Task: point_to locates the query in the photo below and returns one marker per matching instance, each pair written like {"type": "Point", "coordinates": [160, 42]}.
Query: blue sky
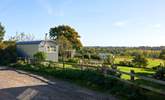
{"type": "Point", "coordinates": [99, 22]}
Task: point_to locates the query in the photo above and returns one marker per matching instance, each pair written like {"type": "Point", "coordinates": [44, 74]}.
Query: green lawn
{"type": "Point", "coordinates": [151, 62]}
{"type": "Point", "coordinates": [154, 62]}
{"type": "Point", "coordinates": [122, 58]}
{"type": "Point", "coordinates": [140, 71]}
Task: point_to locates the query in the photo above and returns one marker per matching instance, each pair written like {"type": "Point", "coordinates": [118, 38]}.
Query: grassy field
{"type": "Point", "coordinates": [139, 71]}
{"type": "Point", "coordinates": [148, 71]}
{"type": "Point", "coordinates": [151, 62]}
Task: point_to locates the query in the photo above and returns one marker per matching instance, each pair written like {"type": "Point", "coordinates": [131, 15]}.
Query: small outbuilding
{"type": "Point", "coordinates": [26, 49]}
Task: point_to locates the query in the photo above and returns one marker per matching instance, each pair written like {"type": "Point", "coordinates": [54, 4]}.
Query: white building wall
{"type": "Point", "coordinates": [52, 55]}
{"type": "Point", "coordinates": [29, 49]}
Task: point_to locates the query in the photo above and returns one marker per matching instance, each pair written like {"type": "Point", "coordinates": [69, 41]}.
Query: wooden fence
{"type": "Point", "coordinates": [132, 74]}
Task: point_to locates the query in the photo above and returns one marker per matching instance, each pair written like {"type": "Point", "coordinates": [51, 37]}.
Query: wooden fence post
{"type": "Point", "coordinates": [132, 72]}
{"type": "Point", "coordinates": [81, 66]}
{"type": "Point", "coordinates": [104, 70]}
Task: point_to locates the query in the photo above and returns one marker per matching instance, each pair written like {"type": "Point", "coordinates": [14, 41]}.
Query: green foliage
{"type": "Point", "coordinates": [95, 56]}
{"type": "Point", "coordinates": [160, 73]}
{"type": "Point", "coordinates": [125, 63]}
{"type": "Point", "coordinates": [7, 53]}
{"type": "Point", "coordinates": [64, 45]}
{"type": "Point", "coordinates": [109, 59]}
{"type": "Point", "coordinates": [40, 56]}
{"type": "Point", "coordinates": [139, 60]}
{"type": "Point", "coordinates": [162, 54]}
{"type": "Point", "coordinates": [150, 52]}
{"type": "Point", "coordinates": [73, 60]}
{"type": "Point", "coordinates": [69, 33]}
{"type": "Point", "coordinates": [21, 62]}
{"type": "Point", "coordinates": [92, 79]}
{"type": "Point", "coordinates": [2, 32]}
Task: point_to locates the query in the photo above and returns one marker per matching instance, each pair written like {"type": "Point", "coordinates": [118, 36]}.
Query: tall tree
{"type": "Point", "coordinates": [64, 45]}
{"type": "Point", "coordinates": [69, 33]}
{"type": "Point", "coordinates": [2, 32]}
{"type": "Point", "coordinates": [140, 61]}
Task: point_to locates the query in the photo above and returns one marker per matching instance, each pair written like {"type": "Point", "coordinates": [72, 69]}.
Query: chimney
{"type": "Point", "coordinates": [46, 35]}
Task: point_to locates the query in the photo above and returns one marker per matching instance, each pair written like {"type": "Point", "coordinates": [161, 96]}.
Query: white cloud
{"type": "Point", "coordinates": [120, 23]}
{"type": "Point", "coordinates": [46, 5]}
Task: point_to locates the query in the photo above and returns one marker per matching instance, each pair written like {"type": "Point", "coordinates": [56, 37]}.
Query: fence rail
{"type": "Point", "coordinates": [132, 75]}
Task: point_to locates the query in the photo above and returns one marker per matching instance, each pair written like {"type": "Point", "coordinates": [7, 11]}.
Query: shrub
{"type": "Point", "coordinates": [40, 56]}
{"type": "Point", "coordinates": [73, 60]}
{"type": "Point", "coordinates": [125, 63]}
{"type": "Point", "coordinates": [140, 61]}
{"type": "Point", "coordinates": [160, 73]}
{"type": "Point", "coordinates": [8, 53]}
{"type": "Point", "coordinates": [21, 62]}
{"type": "Point", "coordinates": [92, 79]}
{"type": "Point", "coordinates": [162, 54]}
{"type": "Point", "coordinates": [157, 67]}
{"type": "Point", "coordinates": [95, 56]}
{"type": "Point", "coordinates": [86, 56]}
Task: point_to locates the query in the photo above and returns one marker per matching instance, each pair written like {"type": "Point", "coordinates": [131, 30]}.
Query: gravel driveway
{"type": "Point", "coordinates": [20, 85]}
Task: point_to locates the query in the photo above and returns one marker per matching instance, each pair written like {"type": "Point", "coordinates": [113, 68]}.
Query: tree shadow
{"type": "Point", "coordinates": [144, 74]}
{"type": "Point", "coordinates": [149, 69]}
{"type": "Point", "coordinates": [151, 95]}
{"type": "Point", "coordinates": [52, 90]}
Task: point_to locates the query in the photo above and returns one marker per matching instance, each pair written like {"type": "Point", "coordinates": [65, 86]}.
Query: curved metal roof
{"type": "Point", "coordinates": [31, 42]}
{"type": "Point", "coordinates": [28, 42]}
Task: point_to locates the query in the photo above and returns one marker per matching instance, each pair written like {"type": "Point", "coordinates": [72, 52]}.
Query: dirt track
{"type": "Point", "coordinates": [19, 85]}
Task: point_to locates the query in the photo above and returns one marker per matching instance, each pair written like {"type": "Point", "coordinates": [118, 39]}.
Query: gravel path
{"type": "Point", "coordinates": [20, 85]}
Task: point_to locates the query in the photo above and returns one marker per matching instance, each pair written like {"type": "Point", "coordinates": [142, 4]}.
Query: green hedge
{"type": "Point", "coordinates": [94, 80]}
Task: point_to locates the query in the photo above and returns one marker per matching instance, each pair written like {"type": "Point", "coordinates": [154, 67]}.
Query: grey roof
{"type": "Point", "coordinates": [30, 42]}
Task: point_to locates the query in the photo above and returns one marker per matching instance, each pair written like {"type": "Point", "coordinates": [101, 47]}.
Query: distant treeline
{"type": "Point", "coordinates": [125, 47]}
{"type": "Point", "coordinates": [151, 52]}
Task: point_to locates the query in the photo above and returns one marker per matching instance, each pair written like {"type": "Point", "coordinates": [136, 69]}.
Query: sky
{"type": "Point", "coordinates": [99, 22]}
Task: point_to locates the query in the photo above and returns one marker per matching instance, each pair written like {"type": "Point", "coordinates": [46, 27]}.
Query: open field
{"type": "Point", "coordinates": [139, 71]}
{"type": "Point", "coordinates": [151, 62]}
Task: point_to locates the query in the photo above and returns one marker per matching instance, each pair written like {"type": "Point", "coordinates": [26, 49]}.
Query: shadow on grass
{"type": "Point", "coordinates": [151, 95]}
{"type": "Point", "coordinates": [149, 69]}
{"type": "Point", "coordinates": [144, 74]}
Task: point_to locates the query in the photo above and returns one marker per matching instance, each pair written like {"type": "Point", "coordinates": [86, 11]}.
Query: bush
{"type": "Point", "coordinates": [140, 61]}
{"type": "Point", "coordinates": [91, 79]}
{"type": "Point", "coordinates": [7, 53]}
{"type": "Point", "coordinates": [86, 56]}
{"type": "Point", "coordinates": [73, 60]}
{"type": "Point", "coordinates": [162, 54]}
{"type": "Point", "coordinates": [125, 63]}
{"type": "Point", "coordinates": [40, 56]}
{"type": "Point", "coordinates": [160, 73]}
{"type": "Point", "coordinates": [95, 56]}
{"type": "Point", "coordinates": [21, 62]}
